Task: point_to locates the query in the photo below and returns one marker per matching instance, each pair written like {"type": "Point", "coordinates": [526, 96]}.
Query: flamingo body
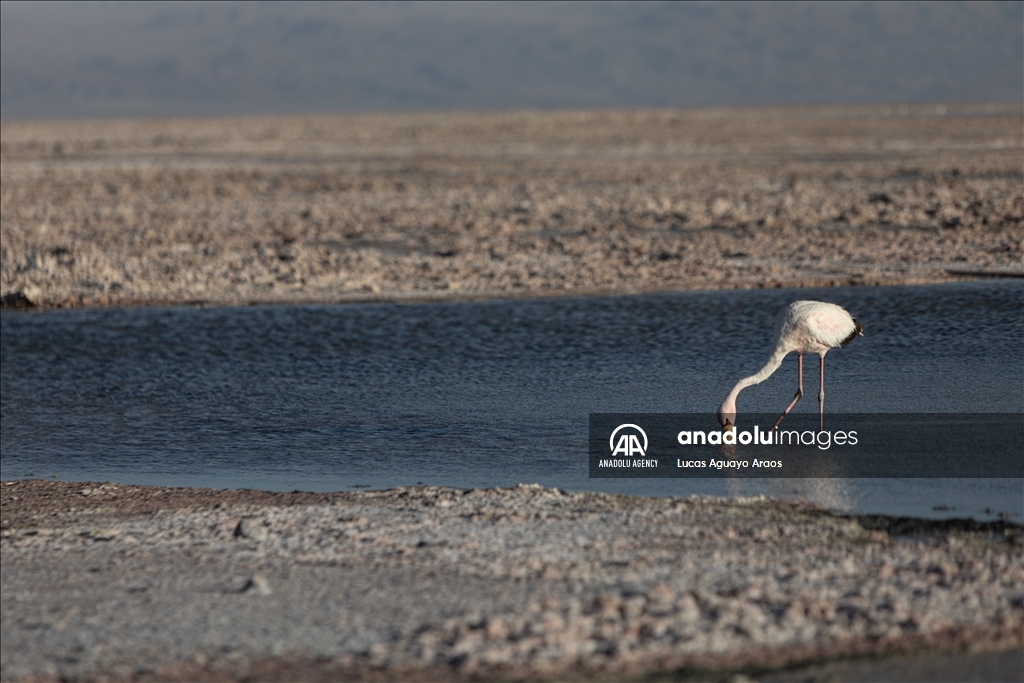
{"type": "Point", "coordinates": [803, 327]}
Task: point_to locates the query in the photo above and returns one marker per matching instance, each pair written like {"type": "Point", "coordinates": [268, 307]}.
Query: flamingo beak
{"type": "Point", "coordinates": [727, 427]}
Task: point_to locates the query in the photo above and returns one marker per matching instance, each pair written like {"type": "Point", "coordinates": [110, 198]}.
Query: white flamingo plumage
{"type": "Point", "coordinates": [804, 327]}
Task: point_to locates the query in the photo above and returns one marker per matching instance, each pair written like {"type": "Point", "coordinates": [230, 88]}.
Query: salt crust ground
{"type": "Point", "coordinates": [448, 206]}
{"type": "Point", "coordinates": [112, 582]}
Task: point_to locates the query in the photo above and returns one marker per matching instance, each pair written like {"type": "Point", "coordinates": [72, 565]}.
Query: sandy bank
{"type": "Point", "coordinates": [441, 206]}
{"type": "Point", "coordinates": [108, 582]}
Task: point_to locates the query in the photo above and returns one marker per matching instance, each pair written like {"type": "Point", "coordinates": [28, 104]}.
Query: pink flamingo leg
{"type": "Point", "coordinates": [799, 390]}
{"type": "Point", "coordinates": [821, 393]}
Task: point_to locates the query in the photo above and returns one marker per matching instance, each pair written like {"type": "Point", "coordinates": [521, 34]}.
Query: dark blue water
{"type": "Point", "coordinates": [480, 393]}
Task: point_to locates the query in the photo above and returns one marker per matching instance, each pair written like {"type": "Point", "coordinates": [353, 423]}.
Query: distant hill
{"type": "Point", "coordinates": [165, 58]}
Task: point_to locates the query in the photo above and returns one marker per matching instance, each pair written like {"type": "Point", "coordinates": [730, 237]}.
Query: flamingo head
{"type": "Point", "coordinates": [727, 415]}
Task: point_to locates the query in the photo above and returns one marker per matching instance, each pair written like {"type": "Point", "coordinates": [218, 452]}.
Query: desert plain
{"type": "Point", "coordinates": [105, 582]}
{"type": "Point", "coordinates": [399, 207]}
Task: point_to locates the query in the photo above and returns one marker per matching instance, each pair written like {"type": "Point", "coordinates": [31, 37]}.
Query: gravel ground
{"type": "Point", "coordinates": [112, 582]}
{"type": "Point", "coordinates": [399, 207]}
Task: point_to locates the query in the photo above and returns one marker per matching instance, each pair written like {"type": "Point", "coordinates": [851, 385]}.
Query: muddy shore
{"type": "Point", "coordinates": [112, 582]}
{"type": "Point", "coordinates": [448, 206]}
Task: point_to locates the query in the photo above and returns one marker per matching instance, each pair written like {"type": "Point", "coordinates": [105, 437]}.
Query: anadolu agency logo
{"type": "Point", "coordinates": [628, 445]}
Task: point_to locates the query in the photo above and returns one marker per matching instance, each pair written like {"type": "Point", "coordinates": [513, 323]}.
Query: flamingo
{"type": "Point", "coordinates": [804, 327]}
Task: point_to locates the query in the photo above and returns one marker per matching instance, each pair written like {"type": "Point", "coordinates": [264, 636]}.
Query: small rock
{"type": "Point", "coordinates": [16, 299]}
{"type": "Point", "coordinates": [497, 629]}
{"type": "Point", "coordinates": [258, 585]}
{"type": "Point", "coordinates": [741, 678]}
{"type": "Point", "coordinates": [250, 528]}
{"type": "Point", "coordinates": [378, 653]}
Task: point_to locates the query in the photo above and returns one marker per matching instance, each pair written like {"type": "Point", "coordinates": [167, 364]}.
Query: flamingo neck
{"type": "Point", "coordinates": [728, 407]}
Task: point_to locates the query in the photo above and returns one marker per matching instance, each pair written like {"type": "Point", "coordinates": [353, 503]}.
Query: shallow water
{"type": "Point", "coordinates": [482, 393]}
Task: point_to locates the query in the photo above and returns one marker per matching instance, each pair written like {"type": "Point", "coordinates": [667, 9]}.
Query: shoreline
{"type": "Point", "coordinates": [116, 582]}
{"type": "Point", "coordinates": [413, 298]}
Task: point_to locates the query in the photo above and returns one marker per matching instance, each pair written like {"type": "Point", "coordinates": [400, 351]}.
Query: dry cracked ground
{"type": "Point", "coordinates": [394, 207]}
{"type": "Point", "coordinates": [111, 582]}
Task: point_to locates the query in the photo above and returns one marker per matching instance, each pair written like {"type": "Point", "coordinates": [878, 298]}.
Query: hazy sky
{"type": "Point", "coordinates": [165, 58]}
